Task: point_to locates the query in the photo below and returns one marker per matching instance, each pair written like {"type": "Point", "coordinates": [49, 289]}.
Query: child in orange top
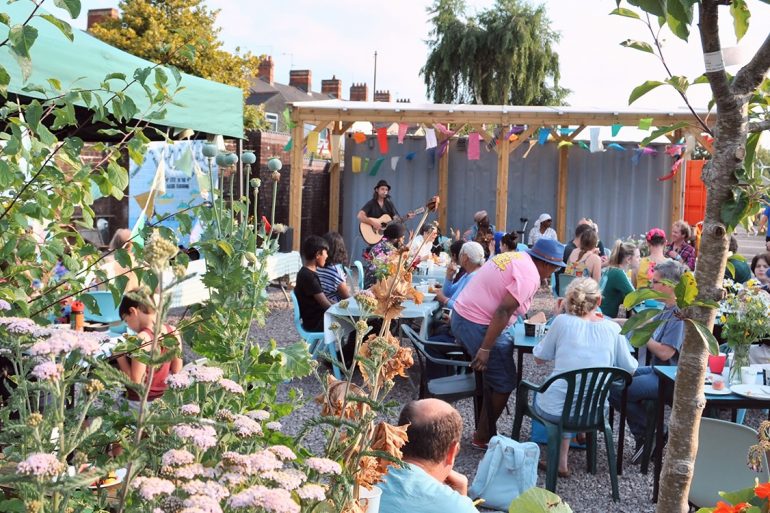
{"type": "Point", "coordinates": [141, 319]}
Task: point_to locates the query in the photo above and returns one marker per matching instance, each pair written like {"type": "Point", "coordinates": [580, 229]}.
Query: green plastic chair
{"type": "Point", "coordinates": [584, 411]}
{"type": "Point", "coordinates": [720, 464]}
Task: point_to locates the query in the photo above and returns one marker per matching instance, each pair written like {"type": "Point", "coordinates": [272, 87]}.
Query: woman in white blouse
{"type": "Point", "coordinates": [542, 230]}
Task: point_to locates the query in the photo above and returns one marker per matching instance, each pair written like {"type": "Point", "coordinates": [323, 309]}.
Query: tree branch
{"type": "Point", "coordinates": [759, 126]}
{"type": "Point", "coordinates": [752, 74]}
{"type": "Point", "coordinates": [710, 43]}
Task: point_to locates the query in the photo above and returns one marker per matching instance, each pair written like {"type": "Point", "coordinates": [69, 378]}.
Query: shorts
{"type": "Point", "coordinates": [500, 375]}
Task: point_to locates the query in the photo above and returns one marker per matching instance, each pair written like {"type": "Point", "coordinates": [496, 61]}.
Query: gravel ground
{"type": "Point", "coordinates": [582, 491]}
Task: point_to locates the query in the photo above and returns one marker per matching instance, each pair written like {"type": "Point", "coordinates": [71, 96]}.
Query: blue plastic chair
{"type": "Point", "coordinates": [360, 270]}
{"type": "Point", "coordinates": [108, 311]}
{"type": "Point", "coordinates": [521, 247]}
{"type": "Point", "coordinates": [315, 339]}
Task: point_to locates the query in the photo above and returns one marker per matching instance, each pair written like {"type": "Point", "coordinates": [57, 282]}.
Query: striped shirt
{"type": "Point", "coordinates": [331, 276]}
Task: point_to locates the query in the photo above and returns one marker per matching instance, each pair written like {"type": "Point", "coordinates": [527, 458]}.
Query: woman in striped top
{"type": "Point", "coordinates": [332, 275]}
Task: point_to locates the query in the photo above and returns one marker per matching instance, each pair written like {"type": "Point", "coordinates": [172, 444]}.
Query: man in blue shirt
{"type": "Point", "coordinates": [427, 482]}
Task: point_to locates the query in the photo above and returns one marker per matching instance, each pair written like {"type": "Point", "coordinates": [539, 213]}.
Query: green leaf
{"type": "Point", "coordinates": [703, 79]}
{"type": "Point", "coordinates": [538, 500]}
{"type": "Point", "coordinates": [735, 209]}
{"type": "Point", "coordinates": [5, 19]}
{"type": "Point", "coordinates": [22, 37]}
{"type": "Point", "coordinates": [638, 45]}
{"type": "Point", "coordinates": [686, 290]}
{"type": "Point", "coordinates": [634, 298]}
{"type": "Point", "coordinates": [628, 13]}
{"type": "Point", "coordinates": [643, 89]}
{"type": "Point", "coordinates": [33, 113]}
{"type": "Point", "coordinates": [641, 336]}
{"type": "Point", "coordinates": [297, 361]}
{"type": "Point", "coordinates": [5, 79]}
{"type": "Point", "coordinates": [730, 269]}
{"type": "Point", "coordinates": [55, 83]}
{"type": "Point", "coordinates": [707, 336]}
{"type": "Point", "coordinates": [71, 6]}
{"type": "Point", "coordinates": [679, 17]}
{"type": "Point", "coordinates": [738, 496]}
{"type": "Point", "coordinates": [639, 319]}
{"type": "Point", "coordinates": [741, 14]}
{"type": "Point", "coordinates": [658, 132]}
{"type": "Point", "coordinates": [679, 83]}
{"type": "Point", "coordinates": [654, 7]}
{"type": "Point", "coordinates": [226, 247]}
{"type": "Point", "coordinates": [123, 258]}
{"type": "Point", "coordinates": [116, 76]}
{"type": "Point", "coordinates": [63, 26]}
{"type": "Point", "coordinates": [13, 506]}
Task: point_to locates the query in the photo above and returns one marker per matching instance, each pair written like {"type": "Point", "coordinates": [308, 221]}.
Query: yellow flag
{"type": "Point", "coordinates": [312, 142]}
{"type": "Point", "coordinates": [356, 164]}
{"type": "Point", "coordinates": [146, 202]}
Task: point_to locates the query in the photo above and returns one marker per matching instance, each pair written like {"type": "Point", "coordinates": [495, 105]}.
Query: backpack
{"type": "Point", "coordinates": [508, 469]}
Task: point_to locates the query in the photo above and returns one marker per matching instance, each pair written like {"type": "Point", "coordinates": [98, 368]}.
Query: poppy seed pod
{"type": "Point", "coordinates": [248, 157]}
{"type": "Point", "coordinates": [274, 164]}
{"type": "Point", "coordinates": [210, 150]}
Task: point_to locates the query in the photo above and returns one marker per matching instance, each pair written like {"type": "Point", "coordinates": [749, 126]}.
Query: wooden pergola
{"type": "Point", "coordinates": [339, 115]}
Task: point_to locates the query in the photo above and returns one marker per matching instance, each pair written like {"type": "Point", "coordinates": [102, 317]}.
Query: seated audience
{"type": "Point", "coordinates": [579, 339]}
{"type": "Point", "coordinates": [140, 318]}
{"type": "Point", "coordinates": [392, 239]}
{"type": "Point", "coordinates": [332, 275]}
{"type": "Point", "coordinates": [310, 295]}
{"type": "Point", "coordinates": [742, 269]}
{"type": "Point", "coordinates": [427, 481]}
{"type": "Point", "coordinates": [542, 228]}
{"type": "Point", "coordinates": [664, 345]}
{"type": "Point", "coordinates": [505, 242]}
{"type": "Point", "coordinates": [759, 266]}
{"type": "Point", "coordinates": [584, 260]}
{"type": "Point", "coordinates": [482, 232]}
{"type": "Point", "coordinates": [453, 271]}
{"type": "Point", "coordinates": [656, 242]}
{"type": "Point", "coordinates": [471, 259]}
{"type": "Point", "coordinates": [680, 249]}
{"type": "Point", "coordinates": [111, 267]}
{"type": "Point", "coordinates": [422, 244]}
{"type": "Point", "coordinates": [616, 281]}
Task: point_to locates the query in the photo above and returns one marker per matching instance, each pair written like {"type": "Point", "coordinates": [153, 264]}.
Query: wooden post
{"type": "Point", "coordinates": [334, 181]}
{"type": "Point", "coordinates": [295, 183]}
{"type": "Point", "coordinates": [561, 196]}
{"type": "Point", "coordinates": [443, 189]}
{"type": "Point", "coordinates": [503, 157]}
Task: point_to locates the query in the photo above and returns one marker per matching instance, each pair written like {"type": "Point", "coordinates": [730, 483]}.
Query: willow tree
{"type": "Point", "coordinates": [733, 191]}
{"type": "Point", "coordinates": [161, 31]}
{"type": "Point", "coordinates": [503, 55]}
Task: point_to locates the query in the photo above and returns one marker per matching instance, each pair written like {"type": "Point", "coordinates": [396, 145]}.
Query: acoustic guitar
{"type": "Point", "coordinates": [372, 236]}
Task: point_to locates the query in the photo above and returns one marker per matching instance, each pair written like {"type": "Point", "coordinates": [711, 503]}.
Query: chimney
{"type": "Point", "coordinates": [266, 69]}
{"type": "Point", "coordinates": [382, 96]}
{"type": "Point", "coordinates": [301, 79]}
{"type": "Point", "coordinates": [332, 87]}
{"type": "Point", "coordinates": [403, 100]}
{"type": "Point", "coordinates": [96, 16]}
{"type": "Point", "coordinates": [359, 92]}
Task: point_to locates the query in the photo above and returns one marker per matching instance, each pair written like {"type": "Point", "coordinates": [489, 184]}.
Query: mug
{"type": "Point", "coordinates": [748, 375]}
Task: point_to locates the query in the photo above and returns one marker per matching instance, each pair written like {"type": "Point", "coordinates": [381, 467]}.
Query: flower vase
{"type": "Point", "coordinates": [740, 359]}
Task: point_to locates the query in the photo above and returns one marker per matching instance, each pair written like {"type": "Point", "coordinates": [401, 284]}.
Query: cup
{"type": "Point", "coordinates": [748, 375]}
{"type": "Point", "coordinates": [370, 499]}
{"type": "Point", "coordinates": [717, 363]}
{"type": "Point", "coordinates": [539, 330]}
{"type": "Point", "coordinates": [534, 329]}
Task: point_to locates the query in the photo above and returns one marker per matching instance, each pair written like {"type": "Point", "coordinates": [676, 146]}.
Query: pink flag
{"type": "Point", "coordinates": [402, 128]}
{"type": "Point", "coordinates": [474, 141]}
{"type": "Point", "coordinates": [382, 139]}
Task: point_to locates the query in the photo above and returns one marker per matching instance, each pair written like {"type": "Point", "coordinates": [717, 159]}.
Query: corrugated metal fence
{"type": "Point", "coordinates": [623, 198]}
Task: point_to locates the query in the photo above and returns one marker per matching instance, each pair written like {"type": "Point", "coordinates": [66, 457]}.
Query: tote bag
{"type": "Point", "coordinates": [508, 469]}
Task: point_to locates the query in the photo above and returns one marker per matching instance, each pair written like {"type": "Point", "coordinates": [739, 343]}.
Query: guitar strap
{"type": "Point", "coordinates": [392, 207]}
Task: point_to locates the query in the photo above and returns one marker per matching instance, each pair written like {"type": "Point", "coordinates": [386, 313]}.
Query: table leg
{"type": "Point", "coordinates": [657, 453]}
{"type": "Point", "coordinates": [622, 431]}
{"type": "Point", "coordinates": [519, 365]}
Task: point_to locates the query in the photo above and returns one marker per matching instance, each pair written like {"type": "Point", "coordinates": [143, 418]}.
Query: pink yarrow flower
{"type": "Point", "coordinates": [151, 487]}
{"type": "Point", "coordinates": [177, 457]}
{"type": "Point", "coordinates": [19, 325]}
{"type": "Point", "coordinates": [324, 465]}
{"type": "Point", "coordinates": [203, 437]}
{"type": "Point", "coordinates": [207, 488]}
{"type": "Point", "coordinates": [231, 386]}
{"type": "Point", "coordinates": [190, 409]}
{"type": "Point", "coordinates": [289, 479]}
{"type": "Point", "coordinates": [271, 500]}
{"type": "Point", "coordinates": [283, 452]}
{"type": "Point", "coordinates": [274, 425]}
{"type": "Point", "coordinates": [205, 374]}
{"type": "Point", "coordinates": [259, 415]}
{"type": "Point", "coordinates": [178, 381]}
{"type": "Point", "coordinates": [40, 465]}
{"type": "Point", "coordinates": [47, 371]}
{"type": "Point", "coordinates": [246, 427]}
{"type": "Point", "coordinates": [5, 305]}
{"type": "Point", "coordinates": [203, 503]}
{"type": "Point", "coordinates": [312, 492]}
{"type": "Point", "coordinates": [190, 471]}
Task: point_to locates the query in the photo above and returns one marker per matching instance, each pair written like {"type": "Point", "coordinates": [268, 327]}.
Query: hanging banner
{"type": "Point", "coordinates": [411, 155]}
{"type": "Point", "coordinates": [355, 164]}
{"type": "Point", "coordinates": [583, 145]}
{"type": "Point", "coordinates": [288, 145]}
{"type": "Point", "coordinates": [365, 165]}
{"type": "Point", "coordinates": [312, 142]}
{"type": "Point", "coordinates": [616, 130]}
{"type": "Point", "coordinates": [474, 146]}
{"type": "Point", "coordinates": [394, 162]}
{"type": "Point", "coordinates": [596, 143]}
{"type": "Point", "coordinates": [430, 138]}
{"type": "Point", "coordinates": [616, 147]}
{"type": "Point", "coordinates": [359, 137]}
{"type": "Point", "coordinates": [376, 166]}
{"type": "Point", "coordinates": [402, 128]}
{"type": "Point", "coordinates": [542, 135]}
{"type": "Point", "coordinates": [382, 139]}
{"type": "Point", "coordinates": [645, 123]}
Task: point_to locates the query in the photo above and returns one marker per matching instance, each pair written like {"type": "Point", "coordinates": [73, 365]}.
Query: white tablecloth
{"type": "Point", "coordinates": [193, 291]}
{"type": "Point", "coordinates": [345, 317]}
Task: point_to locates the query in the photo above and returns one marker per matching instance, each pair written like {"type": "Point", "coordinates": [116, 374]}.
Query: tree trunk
{"type": "Point", "coordinates": [719, 178]}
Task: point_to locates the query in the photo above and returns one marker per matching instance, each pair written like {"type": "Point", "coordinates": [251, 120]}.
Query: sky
{"type": "Point", "coordinates": [339, 37]}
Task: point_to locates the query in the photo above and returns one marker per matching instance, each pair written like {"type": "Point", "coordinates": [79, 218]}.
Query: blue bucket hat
{"type": "Point", "coordinates": [548, 250]}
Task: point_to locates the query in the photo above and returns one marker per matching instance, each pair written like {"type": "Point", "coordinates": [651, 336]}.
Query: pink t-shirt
{"type": "Point", "coordinates": [511, 272]}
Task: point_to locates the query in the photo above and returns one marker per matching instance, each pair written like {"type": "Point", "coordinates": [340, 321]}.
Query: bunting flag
{"type": "Point", "coordinates": [402, 128]}
{"type": "Point", "coordinates": [513, 137]}
{"type": "Point", "coordinates": [376, 166]}
{"type": "Point", "coordinates": [616, 130]}
{"type": "Point", "coordinates": [382, 139]}
{"type": "Point", "coordinates": [583, 145]}
{"type": "Point", "coordinates": [287, 119]}
{"type": "Point", "coordinates": [365, 165]}
{"type": "Point", "coordinates": [185, 161]}
{"type": "Point", "coordinates": [359, 137]}
{"type": "Point", "coordinates": [566, 131]}
{"type": "Point", "coordinates": [673, 150]}
{"type": "Point", "coordinates": [394, 162]}
{"type": "Point", "coordinates": [565, 143]}
{"type": "Point", "coordinates": [636, 156]}
{"type": "Point", "coordinates": [645, 123]}
{"type": "Point", "coordinates": [197, 231]}
{"type": "Point", "coordinates": [355, 164]}
{"type": "Point", "coordinates": [312, 142]}
{"type": "Point", "coordinates": [517, 129]}
{"type": "Point", "coordinates": [674, 170]}
{"type": "Point", "coordinates": [444, 130]}
{"type": "Point", "coordinates": [649, 150]}
{"type": "Point", "coordinates": [474, 146]}
{"type": "Point", "coordinates": [596, 143]}
{"type": "Point", "coordinates": [616, 147]}
{"type": "Point", "coordinates": [430, 138]}
{"type": "Point", "coordinates": [288, 145]}
{"type": "Point", "coordinates": [542, 135]}
{"type": "Point", "coordinates": [334, 148]}
{"type": "Point", "coordinates": [532, 144]}
{"type": "Point", "coordinates": [443, 147]}
{"type": "Point", "coordinates": [202, 179]}
{"type": "Point", "coordinates": [411, 155]}
{"type": "Point", "coordinates": [146, 202]}
{"type": "Point", "coordinates": [159, 181]}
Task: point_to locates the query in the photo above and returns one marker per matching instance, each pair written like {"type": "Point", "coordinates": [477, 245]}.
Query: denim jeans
{"type": "Point", "coordinates": [644, 386]}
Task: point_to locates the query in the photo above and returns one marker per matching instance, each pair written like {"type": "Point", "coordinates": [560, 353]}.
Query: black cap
{"type": "Point", "coordinates": [381, 183]}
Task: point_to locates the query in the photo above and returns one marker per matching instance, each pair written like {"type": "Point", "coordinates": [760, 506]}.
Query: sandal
{"type": "Point", "coordinates": [543, 465]}
{"type": "Point", "coordinates": [481, 446]}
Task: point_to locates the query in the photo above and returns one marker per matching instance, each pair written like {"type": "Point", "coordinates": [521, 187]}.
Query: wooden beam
{"type": "Point", "coordinates": [334, 181]}
{"type": "Point", "coordinates": [524, 136]}
{"type": "Point", "coordinates": [341, 128]}
{"type": "Point", "coordinates": [485, 134]}
{"type": "Point", "coordinates": [702, 140]}
{"type": "Point", "coordinates": [574, 134]}
{"type": "Point", "coordinates": [501, 209]}
{"type": "Point", "coordinates": [561, 194]}
{"type": "Point", "coordinates": [443, 187]}
{"type": "Point", "coordinates": [295, 182]}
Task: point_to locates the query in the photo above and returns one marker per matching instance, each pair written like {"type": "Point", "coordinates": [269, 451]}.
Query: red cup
{"type": "Point", "coordinates": [717, 363]}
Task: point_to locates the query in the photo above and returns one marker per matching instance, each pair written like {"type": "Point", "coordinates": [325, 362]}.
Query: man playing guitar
{"type": "Point", "coordinates": [380, 205]}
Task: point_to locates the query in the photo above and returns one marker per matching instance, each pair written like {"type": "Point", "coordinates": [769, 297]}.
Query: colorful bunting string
{"type": "Point", "coordinates": [402, 128]}
{"type": "Point", "coordinates": [312, 142]}
{"type": "Point", "coordinates": [645, 123]}
{"type": "Point", "coordinates": [355, 164]}
{"type": "Point", "coordinates": [474, 146]}
{"type": "Point", "coordinates": [532, 144]}
{"type": "Point", "coordinates": [376, 166]}
{"type": "Point", "coordinates": [382, 140]}
{"type": "Point", "coordinates": [411, 155]}
{"type": "Point", "coordinates": [542, 135]}
{"type": "Point", "coordinates": [430, 138]}
{"type": "Point", "coordinates": [616, 130]}
{"type": "Point", "coordinates": [394, 162]}
{"type": "Point", "coordinates": [565, 143]}
{"type": "Point", "coordinates": [616, 147]}
{"type": "Point", "coordinates": [365, 166]}
{"type": "Point", "coordinates": [288, 145]}
{"type": "Point", "coordinates": [596, 143]}
{"type": "Point", "coordinates": [583, 145]}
